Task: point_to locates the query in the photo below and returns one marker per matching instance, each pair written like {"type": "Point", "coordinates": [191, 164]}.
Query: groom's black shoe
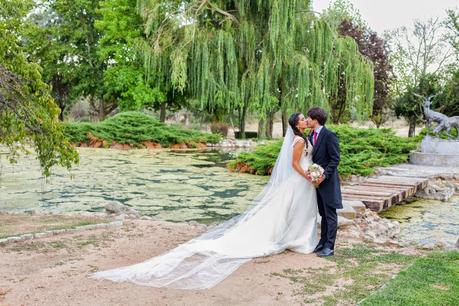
{"type": "Point", "coordinates": [318, 248]}
{"type": "Point", "coordinates": [325, 252]}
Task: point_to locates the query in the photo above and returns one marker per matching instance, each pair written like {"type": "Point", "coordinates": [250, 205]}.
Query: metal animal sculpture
{"type": "Point", "coordinates": [444, 122]}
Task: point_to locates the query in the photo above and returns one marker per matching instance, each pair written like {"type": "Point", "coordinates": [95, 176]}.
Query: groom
{"type": "Point", "coordinates": [326, 154]}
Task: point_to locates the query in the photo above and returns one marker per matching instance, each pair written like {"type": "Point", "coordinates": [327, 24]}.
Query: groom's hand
{"type": "Point", "coordinates": [320, 180]}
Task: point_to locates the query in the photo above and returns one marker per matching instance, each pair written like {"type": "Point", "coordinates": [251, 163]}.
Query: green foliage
{"type": "Point", "coordinates": [65, 42]}
{"type": "Point", "coordinates": [449, 105]}
{"type": "Point", "coordinates": [361, 151]}
{"type": "Point", "coordinates": [92, 49]}
{"type": "Point", "coordinates": [421, 71]}
{"type": "Point", "coordinates": [28, 114]}
{"type": "Point", "coordinates": [364, 149]}
{"type": "Point", "coordinates": [410, 106]}
{"type": "Point", "coordinates": [262, 159]}
{"type": "Point", "coordinates": [135, 128]}
{"type": "Point", "coordinates": [253, 55]}
{"type": "Point", "coordinates": [124, 79]}
{"type": "Point", "coordinates": [431, 280]}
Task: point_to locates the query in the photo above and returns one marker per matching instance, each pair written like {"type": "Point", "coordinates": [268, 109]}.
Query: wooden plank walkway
{"type": "Point", "coordinates": [381, 192]}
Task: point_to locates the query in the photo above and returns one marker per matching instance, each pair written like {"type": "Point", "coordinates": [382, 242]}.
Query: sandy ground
{"type": "Point", "coordinates": [54, 270]}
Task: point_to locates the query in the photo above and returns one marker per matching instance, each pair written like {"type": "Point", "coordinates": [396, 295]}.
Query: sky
{"type": "Point", "coordinates": [384, 15]}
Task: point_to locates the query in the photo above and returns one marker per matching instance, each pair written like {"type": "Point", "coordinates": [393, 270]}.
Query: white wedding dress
{"type": "Point", "coordinates": [283, 216]}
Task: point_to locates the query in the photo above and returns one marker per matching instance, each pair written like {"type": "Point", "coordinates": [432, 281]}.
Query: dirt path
{"type": "Point", "coordinates": [54, 270]}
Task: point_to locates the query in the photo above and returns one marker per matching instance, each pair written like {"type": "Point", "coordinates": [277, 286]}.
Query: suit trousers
{"type": "Point", "coordinates": [328, 225]}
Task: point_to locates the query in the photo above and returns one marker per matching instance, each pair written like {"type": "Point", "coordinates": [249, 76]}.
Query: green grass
{"type": "Point", "coordinates": [362, 150]}
{"type": "Point", "coordinates": [351, 275]}
{"type": "Point", "coordinates": [431, 280]}
{"type": "Point", "coordinates": [134, 128]}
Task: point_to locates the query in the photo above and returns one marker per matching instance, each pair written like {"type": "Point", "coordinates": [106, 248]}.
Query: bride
{"type": "Point", "coordinates": [283, 216]}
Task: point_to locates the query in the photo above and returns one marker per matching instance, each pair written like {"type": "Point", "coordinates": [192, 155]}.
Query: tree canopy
{"type": "Point", "coordinates": [262, 56]}
{"type": "Point", "coordinates": [27, 110]}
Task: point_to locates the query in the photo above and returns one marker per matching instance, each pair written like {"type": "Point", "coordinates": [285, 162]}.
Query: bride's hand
{"type": "Point", "coordinates": [308, 176]}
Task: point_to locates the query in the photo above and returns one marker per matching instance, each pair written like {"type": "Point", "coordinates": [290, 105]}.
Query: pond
{"type": "Point", "coordinates": [178, 186]}
{"type": "Point", "coordinates": [427, 222]}
{"type": "Point", "coordinates": [173, 186]}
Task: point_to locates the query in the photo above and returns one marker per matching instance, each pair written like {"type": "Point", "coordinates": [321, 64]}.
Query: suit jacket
{"type": "Point", "coordinates": [326, 154]}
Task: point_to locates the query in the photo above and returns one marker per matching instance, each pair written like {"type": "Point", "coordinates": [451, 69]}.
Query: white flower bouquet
{"type": "Point", "coordinates": [315, 171]}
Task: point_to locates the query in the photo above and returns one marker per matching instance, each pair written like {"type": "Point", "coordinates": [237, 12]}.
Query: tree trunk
{"type": "Point", "coordinates": [412, 129]}
{"type": "Point", "coordinates": [62, 108]}
{"type": "Point", "coordinates": [269, 125]}
{"type": "Point", "coordinates": [101, 110]}
{"type": "Point", "coordinates": [242, 118]}
{"type": "Point", "coordinates": [261, 128]}
{"type": "Point", "coordinates": [162, 113]}
{"type": "Point", "coordinates": [284, 122]}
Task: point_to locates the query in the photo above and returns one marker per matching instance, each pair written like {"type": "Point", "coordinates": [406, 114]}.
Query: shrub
{"type": "Point", "coordinates": [134, 128]}
{"type": "Point", "coordinates": [361, 151]}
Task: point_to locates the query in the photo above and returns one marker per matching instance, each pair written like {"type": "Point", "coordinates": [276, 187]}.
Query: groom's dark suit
{"type": "Point", "coordinates": [326, 154]}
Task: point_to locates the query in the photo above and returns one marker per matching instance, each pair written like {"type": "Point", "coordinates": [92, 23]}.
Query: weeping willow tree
{"type": "Point", "coordinates": [254, 56]}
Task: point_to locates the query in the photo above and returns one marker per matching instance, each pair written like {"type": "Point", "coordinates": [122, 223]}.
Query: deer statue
{"type": "Point", "coordinates": [444, 122]}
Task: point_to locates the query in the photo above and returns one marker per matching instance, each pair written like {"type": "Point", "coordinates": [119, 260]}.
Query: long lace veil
{"type": "Point", "coordinates": [192, 266]}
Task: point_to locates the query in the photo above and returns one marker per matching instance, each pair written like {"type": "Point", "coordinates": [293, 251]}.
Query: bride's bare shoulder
{"type": "Point", "coordinates": [298, 139]}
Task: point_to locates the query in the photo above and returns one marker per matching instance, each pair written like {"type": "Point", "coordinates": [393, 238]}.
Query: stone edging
{"type": "Point", "coordinates": [50, 233]}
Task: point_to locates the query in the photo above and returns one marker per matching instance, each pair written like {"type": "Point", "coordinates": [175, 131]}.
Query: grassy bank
{"type": "Point", "coordinates": [430, 280]}
{"type": "Point", "coordinates": [361, 151]}
{"type": "Point", "coordinates": [363, 275]}
{"type": "Point", "coordinates": [350, 276]}
{"type": "Point", "coordinates": [135, 128]}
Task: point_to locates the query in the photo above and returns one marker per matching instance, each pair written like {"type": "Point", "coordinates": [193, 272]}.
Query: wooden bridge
{"type": "Point", "coordinates": [381, 192]}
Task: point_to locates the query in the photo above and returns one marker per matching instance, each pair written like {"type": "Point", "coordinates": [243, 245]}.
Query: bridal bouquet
{"type": "Point", "coordinates": [315, 171]}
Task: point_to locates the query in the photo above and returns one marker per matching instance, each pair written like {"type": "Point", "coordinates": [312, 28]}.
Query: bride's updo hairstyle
{"type": "Point", "coordinates": [293, 121]}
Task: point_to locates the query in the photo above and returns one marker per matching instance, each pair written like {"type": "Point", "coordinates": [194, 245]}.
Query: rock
{"type": "Point", "coordinates": [97, 144]}
{"type": "Point", "coordinates": [27, 236]}
{"type": "Point", "coordinates": [146, 218]}
{"type": "Point", "coordinates": [13, 239]}
{"type": "Point", "coordinates": [118, 209]}
{"type": "Point", "coordinates": [116, 223]}
{"type": "Point", "coordinates": [179, 146]}
{"type": "Point", "coordinates": [428, 246]}
{"type": "Point", "coordinates": [41, 235]}
{"type": "Point", "coordinates": [370, 236]}
{"type": "Point", "coordinates": [358, 206]}
{"type": "Point", "coordinates": [234, 143]}
{"type": "Point", "coordinates": [352, 232]}
{"type": "Point", "coordinates": [121, 217]}
{"type": "Point", "coordinates": [193, 223]}
{"type": "Point", "coordinates": [343, 221]}
{"type": "Point", "coordinates": [457, 244]}
{"type": "Point", "coordinates": [347, 211]}
{"type": "Point", "coordinates": [440, 189]}
{"type": "Point", "coordinates": [116, 145]}
{"type": "Point", "coordinates": [152, 145]}
{"type": "Point", "coordinates": [201, 146]}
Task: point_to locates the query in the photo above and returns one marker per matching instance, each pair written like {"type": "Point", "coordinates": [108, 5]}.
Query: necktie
{"type": "Point", "coordinates": [315, 137]}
